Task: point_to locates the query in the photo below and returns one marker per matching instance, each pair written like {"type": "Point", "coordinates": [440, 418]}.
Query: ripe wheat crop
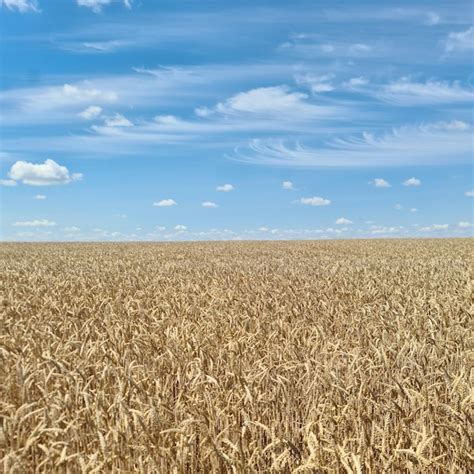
{"type": "Point", "coordinates": [237, 357]}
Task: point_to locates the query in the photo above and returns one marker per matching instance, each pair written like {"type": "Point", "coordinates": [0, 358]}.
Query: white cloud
{"type": "Point", "coordinates": [432, 18]}
{"type": "Point", "coordinates": [315, 201]}
{"type": "Point", "coordinates": [35, 223]}
{"type": "Point", "coordinates": [165, 203]}
{"type": "Point", "coordinates": [460, 41]}
{"type": "Point", "coordinates": [381, 230]}
{"type": "Point", "coordinates": [276, 102]}
{"type": "Point", "coordinates": [262, 100]}
{"type": "Point", "coordinates": [315, 83]}
{"type": "Point", "coordinates": [287, 185]}
{"type": "Point", "coordinates": [91, 112]}
{"type": "Point", "coordinates": [180, 227]}
{"type": "Point", "coordinates": [465, 225]}
{"type": "Point", "coordinates": [167, 120]}
{"type": "Point", "coordinates": [357, 82]}
{"type": "Point", "coordinates": [398, 207]}
{"type": "Point", "coordinates": [309, 45]}
{"type": "Point", "coordinates": [342, 221]}
{"type": "Point", "coordinates": [8, 182]}
{"type": "Point", "coordinates": [434, 227]}
{"type": "Point", "coordinates": [23, 6]}
{"type": "Point", "coordinates": [54, 104]}
{"type": "Point", "coordinates": [100, 46]}
{"type": "Point", "coordinates": [406, 92]}
{"type": "Point", "coordinates": [118, 120]}
{"type": "Point", "coordinates": [40, 197]}
{"type": "Point", "coordinates": [97, 5]}
{"type": "Point", "coordinates": [43, 174]}
{"type": "Point", "coordinates": [79, 93]}
{"type": "Point", "coordinates": [380, 183]}
{"type": "Point", "coordinates": [412, 182]}
{"type": "Point", "coordinates": [225, 188]}
{"type": "Point", "coordinates": [72, 229]}
{"type": "Point", "coordinates": [413, 209]}
{"type": "Point", "coordinates": [209, 204]}
{"type": "Point", "coordinates": [426, 144]}
{"type": "Point", "coordinates": [469, 193]}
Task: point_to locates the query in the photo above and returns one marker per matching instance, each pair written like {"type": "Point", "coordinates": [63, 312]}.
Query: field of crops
{"type": "Point", "coordinates": [349, 356]}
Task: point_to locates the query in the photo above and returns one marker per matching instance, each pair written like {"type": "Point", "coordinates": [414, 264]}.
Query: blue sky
{"type": "Point", "coordinates": [204, 120]}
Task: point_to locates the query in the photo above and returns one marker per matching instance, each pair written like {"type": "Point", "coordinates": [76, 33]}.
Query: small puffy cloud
{"type": "Point", "coordinates": [40, 197]}
{"type": "Point", "coordinates": [398, 207]}
{"type": "Point", "coordinates": [413, 209]}
{"type": "Point", "coordinates": [165, 203]}
{"type": "Point", "coordinates": [315, 83]}
{"type": "Point", "coordinates": [357, 82]}
{"type": "Point", "coordinates": [465, 225]}
{"type": "Point", "coordinates": [8, 182]}
{"type": "Point", "coordinates": [167, 119]}
{"type": "Point", "coordinates": [91, 112]}
{"type": "Point", "coordinates": [180, 228]}
{"type": "Point", "coordinates": [160, 228]}
{"type": "Point", "coordinates": [342, 221]}
{"type": "Point", "coordinates": [315, 201]}
{"type": "Point", "coordinates": [380, 183]}
{"type": "Point", "coordinates": [22, 6]}
{"type": "Point", "coordinates": [432, 18]}
{"type": "Point", "coordinates": [35, 223]}
{"type": "Point", "coordinates": [287, 185]}
{"type": "Point", "coordinates": [460, 41]}
{"type": "Point", "coordinates": [469, 193]}
{"type": "Point", "coordinates": [412, 182]}
{"type": "Point", "coordinates": [42, 174]}
{"type": "Point", "coordinates": [209, 204]}
{"type": "Point", "coordinates": [118, 120]}
{"type": "Point", "coordinates": [225, 188]}
{"type": "Point", "coordinates": [72, 229]}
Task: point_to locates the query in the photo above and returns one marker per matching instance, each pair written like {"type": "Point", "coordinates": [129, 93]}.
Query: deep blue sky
{"type": "Point", "coordinates": [178, 120]}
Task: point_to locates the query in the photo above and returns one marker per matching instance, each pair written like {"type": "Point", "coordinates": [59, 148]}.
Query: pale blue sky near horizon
{"type": "Point", "coordinates": [210, 120]}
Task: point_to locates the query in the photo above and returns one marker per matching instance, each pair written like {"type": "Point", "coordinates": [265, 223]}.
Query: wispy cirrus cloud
{"type": "Point", "coordinates": [22, 6]}
{"type": "Point", "coordinates": [35, 223]}
{"type": "Point", "coordinates": [407, 92]}
{"type": "Point", "coordinates": [431, 143]}
{"type": "Point", "coordinates": [97, 5]}
{"type": "Point", "coordinates": [310, 45]}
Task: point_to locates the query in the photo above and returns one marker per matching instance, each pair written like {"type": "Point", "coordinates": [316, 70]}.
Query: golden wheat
{"type": "Point", "coordinates": [237, 357]}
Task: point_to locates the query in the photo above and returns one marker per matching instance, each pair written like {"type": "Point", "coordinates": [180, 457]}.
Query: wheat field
{"type": "Point", "coordinates": [348, 356]}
